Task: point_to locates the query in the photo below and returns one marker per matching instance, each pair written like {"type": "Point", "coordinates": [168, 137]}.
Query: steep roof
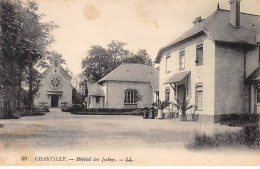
{"type": "Point", "coordinates": [218, 28]}
{"type": "Point", "coordinates": [132, 72]}
{"type": "Point", "coordinates": [94, 89]}
{"type": "Point", "coordinates": [62, 71]}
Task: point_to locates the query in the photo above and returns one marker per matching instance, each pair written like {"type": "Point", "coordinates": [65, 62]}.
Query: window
{"type": "Point", "coordinates": [130, 97]}
{"type": "Point", "coordinates": [199, 55]}
{"type": "Point", "coordinates": [167, 95]}
{"type": "Point", "coordinates": [56, 63]}
{"type": "Point", "coordinates": [258, 95]}
{"type": "Point", "coordinates": [157, 96]}
{"type": "Point", "coordinates": [198, 98]}
{"type": "Point", "coordinates": [167, 63]}
{"type": "Point", "coordinates": [55, 82]}
{"type": "Point", "coordinates": [97, 99]}
{"type": "Point", "coordinates": [182, 60]}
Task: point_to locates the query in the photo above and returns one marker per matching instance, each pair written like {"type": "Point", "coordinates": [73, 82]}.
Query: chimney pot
{"type": "Point", "coordinates": [197, 20]}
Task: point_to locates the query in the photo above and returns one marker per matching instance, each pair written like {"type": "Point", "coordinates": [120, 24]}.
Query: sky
{"type": "Point", "coordinates": [142, 24]}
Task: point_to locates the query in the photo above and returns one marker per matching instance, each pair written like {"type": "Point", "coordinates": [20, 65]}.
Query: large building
{"type": "Point", "coordinates": [215, 64]}
{"type": "Point", "coordinates": [128, 86]}
{"type": "Point", "coordinates": [56, 85]}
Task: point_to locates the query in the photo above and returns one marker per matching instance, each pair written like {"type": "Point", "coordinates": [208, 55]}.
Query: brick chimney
{"type": "Point", "coordinates": [235, 13]}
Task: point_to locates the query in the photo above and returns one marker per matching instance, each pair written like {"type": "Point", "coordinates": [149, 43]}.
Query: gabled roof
{"type": "Point", "coordinates": [218, 28]}
{"type": "Point", "coordinates": [94, 89]}
{"type": "Point", "coordinates": [62, 71]}
{"type": "Point", "coordinates": [133, 72]}
{"type": "Point", "coordinates": [254, 76]}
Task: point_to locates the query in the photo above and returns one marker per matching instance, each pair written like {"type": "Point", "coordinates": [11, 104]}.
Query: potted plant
{"type": "Point", "coordinates": [183, 106]}
{"type": "Point", "coordinates": [161, 106]}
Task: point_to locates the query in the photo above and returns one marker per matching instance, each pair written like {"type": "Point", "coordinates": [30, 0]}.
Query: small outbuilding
{"type": "Point", "coordinates": [95, 98]}
{"type": "Point", "coordinates": [128, 86]}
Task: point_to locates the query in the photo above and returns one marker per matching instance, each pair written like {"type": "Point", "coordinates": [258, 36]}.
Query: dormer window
{"type": "Point", "coordinates": [56, 63]}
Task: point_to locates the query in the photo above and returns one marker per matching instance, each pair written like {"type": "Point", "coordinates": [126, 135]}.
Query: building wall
{"type": "Point", "coordinates": [203, 73]}
{"type": "Point", "coordinates": [230, 89]}
{"type": "Point", "coordinates": [252, 98]}
{"type": "Point", "coordinates": [252, 60]}
{"type": "Point", "coordinates": [94, 104]}
{"type": "Point", "coordinates": [66, 87]}
{"type": "Point", "coordinates": [114, 93]}
{"type": "Point", "coordinates": [106, 99]}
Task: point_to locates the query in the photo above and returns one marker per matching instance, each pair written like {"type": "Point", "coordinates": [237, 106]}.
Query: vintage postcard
{"type": "Point", "coordinates": [129, 83]}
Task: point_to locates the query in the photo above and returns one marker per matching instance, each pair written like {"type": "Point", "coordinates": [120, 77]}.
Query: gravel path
{"type": "Point", "coordinates": [58, 131]}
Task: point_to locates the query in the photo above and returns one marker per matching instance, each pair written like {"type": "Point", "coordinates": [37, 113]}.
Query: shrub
{"type": "Point", "coordinates": [32, 113]}
{"type": "Point", "coordinates": [107, 111]}
{"type": "Point", "coordinates": [249, 137]}
{"type": "Point", "coordinates": [77, 108]}
{"type": "Point", "coordinates": [235, 119]}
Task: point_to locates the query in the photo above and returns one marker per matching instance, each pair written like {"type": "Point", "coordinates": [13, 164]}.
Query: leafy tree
{"type": "Point", "coordinates": [141, 57]}
{"type": "Point", "coordinates": [25, 42]}
{"type": "Point", "coordinates": [100, 61]}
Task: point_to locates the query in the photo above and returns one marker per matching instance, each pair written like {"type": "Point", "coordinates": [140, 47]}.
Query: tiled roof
{"type": "Point", "coordinates": [133, 72]}
{"type": "Point", "coordinates": [218, 28]}
{"type": "Point", "coordinates": [94, 89]}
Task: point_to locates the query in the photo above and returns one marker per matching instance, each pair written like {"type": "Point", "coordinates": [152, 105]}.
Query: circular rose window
{"type": "Point", "coordinates": [55, 82]}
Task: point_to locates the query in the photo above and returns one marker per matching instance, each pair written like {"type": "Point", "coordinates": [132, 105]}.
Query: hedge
{"type": "Point", "coordinates": [236, 119]}
{"type": "Point", "coordinates": [105, 111]}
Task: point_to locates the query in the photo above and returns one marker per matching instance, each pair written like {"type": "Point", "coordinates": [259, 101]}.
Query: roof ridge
{"type": "Point", "coordinates": [240, 12]}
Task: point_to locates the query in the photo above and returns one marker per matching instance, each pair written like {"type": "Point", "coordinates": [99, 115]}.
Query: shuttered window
{"type": "Point", "coordinates": [199, 55]}
{"type": "Point", "coordinates": [182, 60]}
{"type": "Point", "coordinates": [167, 68]}
{"type": "Point", "coordinates": [167, 95]}
{"type": "Point", "coordinates": [199, 98]}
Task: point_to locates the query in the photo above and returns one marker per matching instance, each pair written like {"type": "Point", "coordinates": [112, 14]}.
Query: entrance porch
{"type": "Point", "coordinates": [54, 97]}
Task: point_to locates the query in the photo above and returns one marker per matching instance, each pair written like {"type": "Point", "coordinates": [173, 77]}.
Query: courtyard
{"type": "Point", "coordinates": [62, 133]}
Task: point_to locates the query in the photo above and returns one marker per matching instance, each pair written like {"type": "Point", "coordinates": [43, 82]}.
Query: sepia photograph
{"type": "Point", "coordinates": [129, 82]}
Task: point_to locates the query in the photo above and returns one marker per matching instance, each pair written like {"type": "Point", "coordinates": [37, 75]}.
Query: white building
{"type": "Point", "coordinates": [215, 64]}
{"type": "Point", "coordinates": [55, 85]}
{"type": "Point", "coordinates": [119, 88]}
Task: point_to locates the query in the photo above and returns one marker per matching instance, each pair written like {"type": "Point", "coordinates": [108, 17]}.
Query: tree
{"type": "Point", "coordinates": [97, 63]}
{"type": "Point", "coordinates": [141, 57]}
{"type": "Point", "coordinates": [24, 48]}
{"type": "Point", "coordinates": [100, 61]}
